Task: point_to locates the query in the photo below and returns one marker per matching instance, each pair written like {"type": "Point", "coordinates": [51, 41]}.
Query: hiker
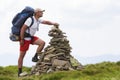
{"type": "Point", "coordinates": [34, 40]}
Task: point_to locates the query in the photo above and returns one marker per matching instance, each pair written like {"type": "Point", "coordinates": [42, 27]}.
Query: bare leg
{"type": "Point", "coordinates": [20, 61]}
{"type": "Point", "coordinates": [41, 45]}
{"type": "Point", "coordinates": [21, 57]}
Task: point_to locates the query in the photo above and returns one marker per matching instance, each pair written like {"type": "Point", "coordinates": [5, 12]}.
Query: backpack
{"type": "Point", "coordinates": [18, 22]}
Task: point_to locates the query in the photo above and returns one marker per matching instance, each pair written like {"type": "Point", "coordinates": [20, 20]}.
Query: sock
{"type": "Point", "coordinates": [19, 70]}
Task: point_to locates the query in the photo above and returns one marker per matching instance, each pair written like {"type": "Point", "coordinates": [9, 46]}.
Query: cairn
{"type": "Point", "coordinates": [56, 56]}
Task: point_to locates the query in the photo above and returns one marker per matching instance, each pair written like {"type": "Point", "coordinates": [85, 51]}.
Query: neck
{"type": "Point", "coordinates": [36, 18]}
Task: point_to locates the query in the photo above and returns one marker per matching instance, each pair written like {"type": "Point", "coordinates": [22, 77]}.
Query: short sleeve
{"type": "Point", "coordinates": [28, 22]}
{"type": "Point", "coordinates": [40, 20]}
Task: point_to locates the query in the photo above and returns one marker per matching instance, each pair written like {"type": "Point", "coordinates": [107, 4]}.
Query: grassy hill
{"type": "Point", "coordinates": [100, 71]}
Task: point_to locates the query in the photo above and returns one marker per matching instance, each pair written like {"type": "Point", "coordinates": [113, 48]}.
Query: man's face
{"type": "Point", "coordinates": [40, 14]}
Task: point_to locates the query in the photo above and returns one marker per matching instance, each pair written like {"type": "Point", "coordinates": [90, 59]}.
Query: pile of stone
{"type": "Point", "coordinates": [56, 56]}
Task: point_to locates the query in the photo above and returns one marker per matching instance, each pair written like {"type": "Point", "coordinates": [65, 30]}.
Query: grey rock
{"type": "Point", "coordinates": [56, 56]}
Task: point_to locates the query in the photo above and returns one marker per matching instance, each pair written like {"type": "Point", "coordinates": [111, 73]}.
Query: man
{"type": "Point", "coordinates": [26, 41]}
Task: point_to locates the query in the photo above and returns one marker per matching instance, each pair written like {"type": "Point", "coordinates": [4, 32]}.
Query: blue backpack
{"type": "Point", "coordinates": [18, 22]}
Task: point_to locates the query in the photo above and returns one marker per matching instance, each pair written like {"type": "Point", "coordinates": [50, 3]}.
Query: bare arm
{"type": "Point", "coordinates": [22, 32]}
{"type": "Point", "coordinates": [50, 23]}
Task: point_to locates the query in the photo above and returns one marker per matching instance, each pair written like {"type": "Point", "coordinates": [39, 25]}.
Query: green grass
{"type": "Point", "coordinates": [100, 71]}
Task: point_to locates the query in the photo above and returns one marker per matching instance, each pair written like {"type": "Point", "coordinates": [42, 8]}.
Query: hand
{"type": "Point", "coordinates": [22, 42]}
{"type": "Point", "coordinates": [56, 25]}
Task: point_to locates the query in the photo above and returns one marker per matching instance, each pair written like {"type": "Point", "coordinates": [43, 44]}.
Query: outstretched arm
{"type": "Point", "coordinates": [49, 23]}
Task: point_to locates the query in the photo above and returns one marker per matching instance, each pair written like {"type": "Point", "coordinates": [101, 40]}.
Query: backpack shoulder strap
{"type": "Point", "coordinates": [30, 24]}
{"type": "Point", "coordinates": [32, 21]}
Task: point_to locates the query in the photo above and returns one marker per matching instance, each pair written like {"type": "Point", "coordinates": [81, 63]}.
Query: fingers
{"type": "Point", "coordinates": [21, 42]}
{"type": "Point", "coordinates": [56, 25]}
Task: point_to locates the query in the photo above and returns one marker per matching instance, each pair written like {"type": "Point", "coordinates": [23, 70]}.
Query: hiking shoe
{"type": "Point", "coordinates": [22, 74]}
{"type": "Point", "coordinates": [34, 59]}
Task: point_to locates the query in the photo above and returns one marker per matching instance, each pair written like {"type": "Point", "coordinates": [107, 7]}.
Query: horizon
{"type": "Point", "coordinates": [91, 26]}
{"type": "Point", "coordinates": [82, 60]}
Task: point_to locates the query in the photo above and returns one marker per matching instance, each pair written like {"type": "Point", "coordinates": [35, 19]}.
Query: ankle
{"type": "Point", "coordinates": [19, 70]}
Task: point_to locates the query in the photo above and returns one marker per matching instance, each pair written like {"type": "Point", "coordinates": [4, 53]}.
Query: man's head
{"type": "Point", "coordinates": [39, 12]}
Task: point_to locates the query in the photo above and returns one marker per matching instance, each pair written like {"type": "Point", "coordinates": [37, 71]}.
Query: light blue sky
{"type": "Point", "coordinates": [92, 26]}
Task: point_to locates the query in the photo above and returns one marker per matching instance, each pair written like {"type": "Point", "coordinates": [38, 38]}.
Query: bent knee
{"type": "Point", "coordinates": [39, 42]}
{"type": "Point", "coordinates": [42, 43]}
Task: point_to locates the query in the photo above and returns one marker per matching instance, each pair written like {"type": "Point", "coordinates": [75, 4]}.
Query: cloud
{"type": "Point", "coordinates": [92, 26]}
{"type": "Point", "coordinates": [94, 42]}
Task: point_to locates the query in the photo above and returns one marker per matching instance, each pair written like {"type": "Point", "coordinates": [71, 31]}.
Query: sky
{"type": "Point", "coordinates": [91, 26]}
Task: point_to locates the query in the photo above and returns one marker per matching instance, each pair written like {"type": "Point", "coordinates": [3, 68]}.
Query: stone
{"type": "Point", "coordinates": [56, 56]}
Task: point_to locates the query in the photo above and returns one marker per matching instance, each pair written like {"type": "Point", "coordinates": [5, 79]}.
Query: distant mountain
{"type": "Point", "coordinates": [98, 59]}
{"type": "Point", "coordinates": [11, 59]}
